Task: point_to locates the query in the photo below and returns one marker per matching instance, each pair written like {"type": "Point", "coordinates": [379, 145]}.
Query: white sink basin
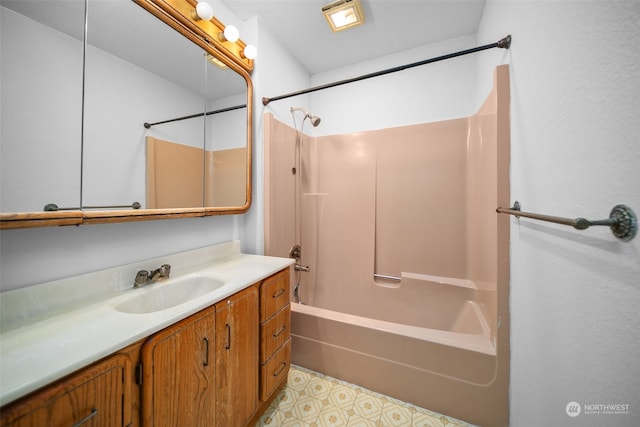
{"type": "Point", "coordinates": [162, 296]}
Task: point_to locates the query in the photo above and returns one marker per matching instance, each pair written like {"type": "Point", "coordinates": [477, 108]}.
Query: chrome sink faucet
{"type": "Point", "coordinates": [144, 277]}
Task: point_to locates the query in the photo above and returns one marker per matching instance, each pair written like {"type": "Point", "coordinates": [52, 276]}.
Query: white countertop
{"type": "Point", "coordinates": [38, 349]}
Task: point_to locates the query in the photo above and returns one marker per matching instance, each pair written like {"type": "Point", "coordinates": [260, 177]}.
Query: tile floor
{"type": "Point", "coordinates": [311, 399]}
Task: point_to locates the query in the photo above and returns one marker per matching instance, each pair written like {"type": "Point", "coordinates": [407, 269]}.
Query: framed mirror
{"type": "Point", "coordinates": [165, 122]}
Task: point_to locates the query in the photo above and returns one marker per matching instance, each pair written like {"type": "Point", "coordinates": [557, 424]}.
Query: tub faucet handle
{"type": "Point", "coordinates": [295, 252]}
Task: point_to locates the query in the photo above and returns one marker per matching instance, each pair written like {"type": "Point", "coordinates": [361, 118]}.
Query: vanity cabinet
{"type": "Point", "coordinates": [178, 374]}
{"type": "Point", "coordinates": [202, 371]}
{"type": "Point", "coordinates": [275, 342]}
{"type": "Point", "coordinates": [219, 367]}
{"type": "Point", "coordinates": [95, 396]}
{"type": "Point", "coordinates": [237, 358]}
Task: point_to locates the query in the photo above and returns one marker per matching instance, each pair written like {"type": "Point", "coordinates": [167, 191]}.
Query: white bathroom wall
{"type": "Point", "coordinates": [433, 92]}
{"type": "Point", "coordinates": [276, 72]}
{"type": "Point", "coordinates": [575, 97]}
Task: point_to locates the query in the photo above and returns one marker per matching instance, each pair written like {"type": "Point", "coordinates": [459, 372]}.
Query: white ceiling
{"type": "Point", "coordinates": [390, 26]}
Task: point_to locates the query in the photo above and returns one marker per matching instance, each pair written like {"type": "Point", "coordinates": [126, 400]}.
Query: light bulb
{"type": "Point", "coordinates": [250, 52]}
{"type": "Point", "coordinates": [204, 11]}
{"type": "Point", "coordinates": [230, 34]}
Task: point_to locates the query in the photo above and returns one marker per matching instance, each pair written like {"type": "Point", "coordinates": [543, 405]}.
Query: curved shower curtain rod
{"type": "Point", "coordinates": [503, 43]}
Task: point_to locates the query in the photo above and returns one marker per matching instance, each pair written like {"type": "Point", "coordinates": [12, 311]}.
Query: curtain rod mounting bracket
{"type": "Point", "coordinates": [505, 43]}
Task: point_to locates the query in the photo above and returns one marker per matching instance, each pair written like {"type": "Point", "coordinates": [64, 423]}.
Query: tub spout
{"type": "Point", "coordinates": [299, 267]}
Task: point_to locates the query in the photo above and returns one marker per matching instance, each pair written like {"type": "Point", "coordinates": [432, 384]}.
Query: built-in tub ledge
{"type": "Point", "coordinates": [396, 282]}
{"type": "Point", "coordinates": [55, 328]}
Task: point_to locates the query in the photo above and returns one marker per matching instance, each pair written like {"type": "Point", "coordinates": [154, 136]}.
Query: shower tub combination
{"type": "Point", "coordinates": [407, 289]}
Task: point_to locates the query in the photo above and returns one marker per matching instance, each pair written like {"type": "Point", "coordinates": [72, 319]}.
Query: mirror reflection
{"type": "Point", "coordinates": [144, 70]}
{"type": "Point", "coordinates": [41, 104]}
{"type": "Point", "coordinates": [137, 70]}
{"type": "Point", "coordinates": [225, 139]}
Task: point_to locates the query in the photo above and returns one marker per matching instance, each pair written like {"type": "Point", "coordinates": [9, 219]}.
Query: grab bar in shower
{"type": "Point", "coordinates": [384, 276]}
{"type": "Point", "coordinates": [622, 220]}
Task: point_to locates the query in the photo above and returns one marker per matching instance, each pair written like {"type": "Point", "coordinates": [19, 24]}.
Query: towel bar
{"type": "Point", "coordinates": [622, 220]}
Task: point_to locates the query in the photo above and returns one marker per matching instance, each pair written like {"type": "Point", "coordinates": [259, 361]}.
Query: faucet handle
{"type": "Point", "coordinates": [142, 277]}
{"type": "Point", "coordinates": [165, 270]}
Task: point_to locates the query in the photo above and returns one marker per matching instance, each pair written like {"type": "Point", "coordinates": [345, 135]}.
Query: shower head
{"type": "Point", "coordinates": [315, 120]}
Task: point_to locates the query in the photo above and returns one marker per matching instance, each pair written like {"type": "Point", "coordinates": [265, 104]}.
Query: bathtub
{"type": "Point", "coordinates": [450, 366]}
{"type": "Point", "coordinates": [414, 204]}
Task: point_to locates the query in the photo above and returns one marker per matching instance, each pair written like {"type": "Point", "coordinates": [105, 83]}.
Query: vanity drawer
{"type": "Point", "coordinates": [274, 333]}
{"type": "Point", "coordinates": [274, 294]}
{"type": "Point", "coordinates": [274, 372]}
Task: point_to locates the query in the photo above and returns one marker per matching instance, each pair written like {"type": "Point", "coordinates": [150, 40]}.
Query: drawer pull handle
{"type": "Point", "coordinates": [280, 369]}
{"type": "Point", "coordinates": [93, 413]}
{"type": "Point", "coordinates": [206, 352]}
{"type": "Point", "coordinates": [279, 332]}
{"type": "Point", "coordinates": [228, 345]}
{"type": "Point", "coordinates": [277, 294]}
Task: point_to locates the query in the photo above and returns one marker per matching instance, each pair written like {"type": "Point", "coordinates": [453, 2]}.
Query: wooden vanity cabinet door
{"type": "Point", "coordinates": [237, 361]}
{"type": "Point", "coordinates": [178, 384]}
{"type": "Point", "coordinates": [94, 396]}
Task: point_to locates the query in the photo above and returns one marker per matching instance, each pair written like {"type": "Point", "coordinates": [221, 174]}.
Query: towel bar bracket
{"type": "Point", "coordinates": [622, 220]}
{"type": "Point", "coordinates": [625, 224]}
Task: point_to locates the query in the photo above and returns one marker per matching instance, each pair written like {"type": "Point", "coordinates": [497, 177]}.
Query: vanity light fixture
{"type": "Point", "coordinates": [343, 14]}
{"type": "Point", "coordinates": [230, 34]}
{"type": "Point", "coordinates": [203, 11]}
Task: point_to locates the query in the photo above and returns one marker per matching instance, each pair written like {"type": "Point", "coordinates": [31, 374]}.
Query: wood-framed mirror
{"type": "Point", "coordinates": [143, 88]}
